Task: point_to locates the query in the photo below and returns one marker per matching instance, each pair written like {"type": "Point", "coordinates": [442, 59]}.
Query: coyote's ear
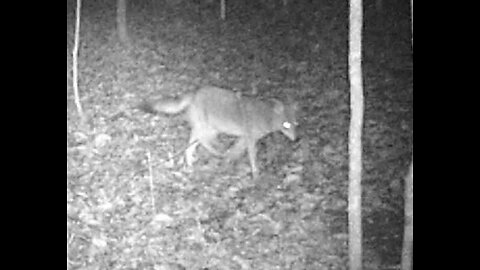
{"type": "Point", "coordinates": [278, 108]}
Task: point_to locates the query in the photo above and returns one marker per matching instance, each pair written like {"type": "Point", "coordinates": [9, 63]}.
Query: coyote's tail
{"type": "Point", "coordinates": [168, 106]}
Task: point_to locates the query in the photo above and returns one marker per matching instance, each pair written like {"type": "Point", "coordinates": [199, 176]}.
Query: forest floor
{"type": "Point", "coordinates": [130, 206]}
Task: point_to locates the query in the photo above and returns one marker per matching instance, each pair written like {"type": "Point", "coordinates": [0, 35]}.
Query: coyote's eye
{"type": "Point", "coordinates": [287, 125]}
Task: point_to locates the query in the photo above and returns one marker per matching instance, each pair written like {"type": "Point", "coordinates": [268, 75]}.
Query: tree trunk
{"type": "Point", "coordinates": [355, 136]}
{"type": "Point", "coordinates": [122, 22]}
{"type": "Point", "coordinates": [407, 254]}
{"type": "Point", "coordinates": [75, 64]}
{"type": "Point", "coordinates": [223, 9]}
{"type": "Point", "coordinates": [379, 6]}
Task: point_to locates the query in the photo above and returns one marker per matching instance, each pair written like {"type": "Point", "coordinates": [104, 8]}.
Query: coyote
{"type": "Point", "coordinates": [211, 111]}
